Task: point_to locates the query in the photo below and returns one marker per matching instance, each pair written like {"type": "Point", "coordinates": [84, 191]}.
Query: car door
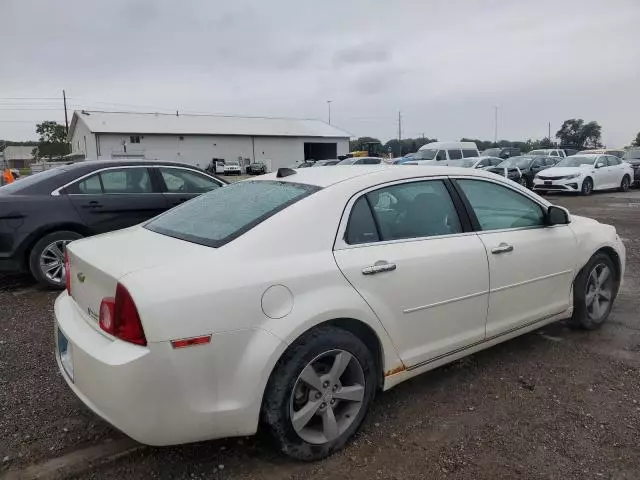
{"type": "Point", "coordinates": [531, 265]}
{"type": "Point", "coordinates": [115, 198]}
{"type": "Point", "coordinates": [615, 171]}
{"type": "Point", "coordinates": [414, 260]}
{"type": "Point", "coordinates": [180, 184]}
{"type": "Point", "coordinates": [601, 173]}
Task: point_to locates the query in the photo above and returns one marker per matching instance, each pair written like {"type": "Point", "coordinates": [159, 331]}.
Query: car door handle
{"type": "Point", "coordinates": [378, 268]}
{"type": "Point", "coordinates": [502, 248]}
{"type": "Point", "coordinates": [93, 204]}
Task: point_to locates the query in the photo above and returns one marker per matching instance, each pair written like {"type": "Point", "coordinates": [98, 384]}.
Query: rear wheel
{"type": "Point", "coordinates": [319, 393]}
{"type": "Point", "coordinates": [624, 185]}
{"type": "Point", "coordinates": [46, 260]}
{"type": "Point", "coordinates": [594, 291]}
{"type": "Point", "coordinates": [587, 187]}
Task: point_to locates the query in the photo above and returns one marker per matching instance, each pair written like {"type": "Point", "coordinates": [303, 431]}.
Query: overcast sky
{"type": "Point", "coordinates": [444, 64]}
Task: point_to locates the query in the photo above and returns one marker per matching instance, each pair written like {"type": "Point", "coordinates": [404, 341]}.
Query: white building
{"type": "Point", "coordinates": [197, 139]}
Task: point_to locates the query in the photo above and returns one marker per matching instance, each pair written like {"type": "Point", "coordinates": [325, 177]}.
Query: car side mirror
{"type": "Point", "coordinates": [557, 215]}
{"type": "Point", "coordinates": [599, 165]}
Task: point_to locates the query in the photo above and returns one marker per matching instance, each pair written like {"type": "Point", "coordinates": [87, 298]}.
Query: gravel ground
{"type": "Point", "coordinates": [556, 403]}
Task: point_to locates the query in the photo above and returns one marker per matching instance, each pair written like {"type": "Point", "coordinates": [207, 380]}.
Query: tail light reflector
{"type": "Point", "coordinates": [119, 317]}
{"type": "Point", "coordinates": [67, 272]}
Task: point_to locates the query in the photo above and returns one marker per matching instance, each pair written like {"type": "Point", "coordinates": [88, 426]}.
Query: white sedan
{"type": "Point", "coordinates": [289, 300]}
{"type": "Point", "coordinates": [585, 173]}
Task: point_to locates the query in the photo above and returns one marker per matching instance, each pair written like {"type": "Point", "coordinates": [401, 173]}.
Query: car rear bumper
{"type": "Point", "coordinates": [161, 396]}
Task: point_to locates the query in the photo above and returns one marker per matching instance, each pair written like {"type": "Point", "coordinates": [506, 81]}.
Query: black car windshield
{"type": "Point", "coordinates": [427, 154]}
{"type": "Point", "coordinates": [575, 161]}
{"type": "Point", "coordinates": [223, 214]}
{"type": "Point", "coordinates": [520, 162]}
{"type": "Point", "coordinates": [32, 179]}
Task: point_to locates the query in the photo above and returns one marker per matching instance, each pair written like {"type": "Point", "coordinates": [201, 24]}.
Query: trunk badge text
{"type": "Point", "coordinates": [92, 314]}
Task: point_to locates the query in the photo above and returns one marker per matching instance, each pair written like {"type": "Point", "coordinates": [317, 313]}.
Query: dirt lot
{"type": "Point", "coordinates": [555, 403]}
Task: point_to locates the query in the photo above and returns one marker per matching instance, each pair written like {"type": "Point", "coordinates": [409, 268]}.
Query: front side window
{"type": "Point", "coordinates": [455, 154]}
{"type": "Point", "coordinates": [498, 207]}
{"type": "Point", "coordinates": [223, 214]}
{"type": "Point", "coordinates": [469, 153]}
{"type": "Point", "coordinates": [179, 180]}
{"type": "Point", "coordinates": [442, 155]}
{"type": "Point", "coordinates": [126, 180]}
{"type": "Point", "coordinates": [611, 160]}
{"type": "Point", "coordinates": [407, 210]}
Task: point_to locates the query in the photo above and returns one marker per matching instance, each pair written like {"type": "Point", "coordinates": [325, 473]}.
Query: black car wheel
{"type": "Point", "coordinates": [587, 187]}
{"type": "Point", "coordinates": [624, 185]}
{"type": "Point", "coordinates": [319, 393]}
{"type": "Point", "coordinates": [46, 260]}
{"type": "Point", "coordinates": [594, 291]}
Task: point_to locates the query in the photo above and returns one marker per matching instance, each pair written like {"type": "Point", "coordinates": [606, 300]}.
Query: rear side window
{"type": "Point", "coordinates": [469, 153]}
{"type": "Point", "coordinates": [223, 214]}
{"type": "Point", "coordinates": [403, 211]}
{"type": "Point", "coordinates": [455, 154]}
{"type": "Point", "coordinates": [613, 160]}
{"type": "Point", "coordinates": [121, 180]}
{"type": "Point", "coordinates": [89, 186]}
{"type": "Point", "coordinates": [442, 155]}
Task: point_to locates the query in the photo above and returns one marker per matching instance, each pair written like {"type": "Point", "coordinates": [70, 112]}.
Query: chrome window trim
{"type": "Point", "coordinates": [56, 192]}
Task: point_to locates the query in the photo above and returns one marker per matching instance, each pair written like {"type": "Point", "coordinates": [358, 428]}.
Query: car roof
{"type": "Point", "coordinates": [325, 177]}
{"type": "Point", "coordinates": [122, 163]}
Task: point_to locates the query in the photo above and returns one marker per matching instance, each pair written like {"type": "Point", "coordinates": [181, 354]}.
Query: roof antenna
{"type": "Point", "coordinates": [285, 172]}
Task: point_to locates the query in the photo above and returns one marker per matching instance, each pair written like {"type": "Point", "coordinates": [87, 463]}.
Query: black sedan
{"type": "Point", "coordinates": [522, 169]}
{"type": "Point", "coordinates": [41, 213]}
{"type": "Point", "coordinates": [256, 168]}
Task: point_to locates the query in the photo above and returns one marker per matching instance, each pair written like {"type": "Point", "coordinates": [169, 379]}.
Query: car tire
{"type": "Point", "coordinates": [285, 393]}
{"type": "Point", "coordinates": [49, 252]}
{"type": "Point", "coordinates": [587, 187]}
{"type": "Point", "coordinates": [588, 289]}
{"type": "Point", "coordinates": [625, 183]}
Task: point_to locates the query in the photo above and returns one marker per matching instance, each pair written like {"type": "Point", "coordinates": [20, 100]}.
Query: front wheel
{"type": "Point", "coordinates": [587, 187]}
{"type": "Point", "coordinates": [624, 185]}
{"type": "Point", "coordinates": [319, 393]}
{"type": "Point", "coordinates": [46, 260]}
{"type": "Point", "coordinates": [594, 290]}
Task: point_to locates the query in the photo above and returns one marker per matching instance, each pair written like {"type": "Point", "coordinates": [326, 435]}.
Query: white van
{"type": "Point", "coordinates": [438, 151]}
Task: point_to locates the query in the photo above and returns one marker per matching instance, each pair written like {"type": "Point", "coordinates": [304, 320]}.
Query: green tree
{"type": "Point", "coordinates": [580, 134]}
{"type": "Point", "coordinates": [636, 142]}
{"type": "Point", "coordinates": [53, 140]}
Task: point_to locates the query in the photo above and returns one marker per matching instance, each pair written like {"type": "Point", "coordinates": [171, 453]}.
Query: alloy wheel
{"type": "Point", "coordinates": [327, 397]}
{"type": "Point", "coordinates": [599, 292]}
{"type": "Point", "coordinates": [52, 260]}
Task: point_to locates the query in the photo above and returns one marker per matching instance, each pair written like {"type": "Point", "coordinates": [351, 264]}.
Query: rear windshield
{"type": "Point", "coordinates": [223, 214]}
{"type": "Point", "coordinates": [24, 182]}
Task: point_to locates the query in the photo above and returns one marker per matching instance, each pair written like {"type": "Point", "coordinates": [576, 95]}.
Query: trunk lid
{"type": "Point", "coordinates": [98, 263]}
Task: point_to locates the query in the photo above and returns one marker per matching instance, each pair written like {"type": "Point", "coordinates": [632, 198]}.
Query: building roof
{"type": "Point", "coordinates": [159, 123]}
{"type": "Point", "coordinates": [18, 152]}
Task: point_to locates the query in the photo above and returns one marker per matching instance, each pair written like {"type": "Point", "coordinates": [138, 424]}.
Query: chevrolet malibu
{"type": "Point", "coordinates": [288, 301]}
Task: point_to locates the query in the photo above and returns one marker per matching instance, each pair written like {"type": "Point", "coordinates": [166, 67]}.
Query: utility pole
{"type": "Point", "coordinates": [329, 106]}
{"type": "Point", "coordinates": [400, 132]}
{"type": "Point", "coordinates": [66, 119]}
{"type": "Point", "coordinates": [549, 132]}
{"type": "Point", "coordinates": [495, 132]}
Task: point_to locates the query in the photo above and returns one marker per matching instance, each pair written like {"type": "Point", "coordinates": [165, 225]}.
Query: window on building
{"type": "Point", "coordinates": [134, 139]}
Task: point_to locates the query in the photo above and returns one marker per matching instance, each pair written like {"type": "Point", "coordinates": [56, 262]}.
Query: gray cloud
{"type": "Point", "coordinates": [445, 64]}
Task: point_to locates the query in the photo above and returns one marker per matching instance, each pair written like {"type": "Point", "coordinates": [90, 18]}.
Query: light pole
{"type": "Point", "coordinates": [495, 132]}
{"type": "Point", "coordinates": [329, 106]}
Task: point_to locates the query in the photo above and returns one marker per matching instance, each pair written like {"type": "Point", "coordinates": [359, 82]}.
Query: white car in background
{"type": "Point", "coordinates": [232, 168]}
{"type": "Point", "coordinates": [585, 173]}
{"type": "Point", "coordinates": [548, 152]}
{"type": "Point", "coordinates": [290, 299]}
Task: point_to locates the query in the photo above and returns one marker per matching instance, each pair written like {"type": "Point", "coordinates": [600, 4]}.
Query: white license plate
{"type": "Point", "coordinates": [65, 354]}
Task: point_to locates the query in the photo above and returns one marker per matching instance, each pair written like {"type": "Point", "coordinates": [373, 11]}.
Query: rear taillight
{"type": "Point", "coordinates": [67, 272]}
{"type": "Point", "coordinates": [119, 317]}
